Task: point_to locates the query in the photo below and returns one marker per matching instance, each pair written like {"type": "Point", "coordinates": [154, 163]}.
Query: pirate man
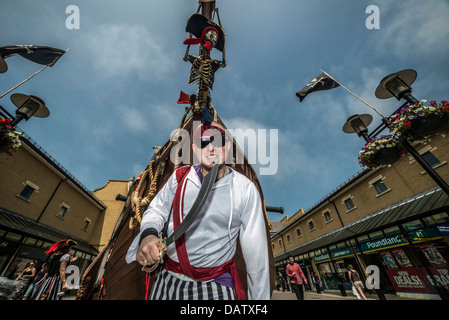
{"type": "Point", "coordinates": [200, 265]}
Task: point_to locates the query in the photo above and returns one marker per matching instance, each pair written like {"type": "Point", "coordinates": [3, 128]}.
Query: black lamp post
{"type": "Point", "coordinates": [27, 107]}
{"type": "Point", "coordinates": [358, 123]}
{"type": "Point", "coordinates": [398, 85]}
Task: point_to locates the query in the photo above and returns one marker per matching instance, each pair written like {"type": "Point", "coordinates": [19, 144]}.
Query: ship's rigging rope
{"type": "Point", "coordinates": [140, 202]}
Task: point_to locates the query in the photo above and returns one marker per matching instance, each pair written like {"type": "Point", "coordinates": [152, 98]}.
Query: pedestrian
{"type": "Point", "coordinates": [54, 285]}
{"type": "Point", "coordinates": [24, 279]}
{"type": "Point", "coordinates": [34, 286]}
{"type": "Point", "coordinates": [316, 280]}
{"type": "Point", "coordinates": [294, 272]}
{"type": "Point", "coordinates": [357, 283]}
{"type": "Point", "coordinates": [281, 281]}
{"type": "Point", "coordinates": [201, 260]}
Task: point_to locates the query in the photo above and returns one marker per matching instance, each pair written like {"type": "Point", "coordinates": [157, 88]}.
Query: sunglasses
{"type": "Point", "coordinates": [204, 142]}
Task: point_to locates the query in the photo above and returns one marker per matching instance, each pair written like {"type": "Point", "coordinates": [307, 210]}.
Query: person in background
{"type": "Point", "coordinates": [25, 278]}
{"type": "Point", "coordinates": [34, 286]}
{"type": "Point", "coordinates": [55, 282]}
{"type": "Point", "coordinates": [294, 272]}
{"type": "Point", "coordinates": [354, 277]}
{"type": "Point", "coordinates": [316, 280]}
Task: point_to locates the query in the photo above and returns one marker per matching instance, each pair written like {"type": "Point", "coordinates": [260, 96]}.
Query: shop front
{"type": "Point", "coordinates": [333, 271]}
{"type": "Point", "coordinates": [404, 267]}
{"type": "Point", "coordinates": [20, 246]}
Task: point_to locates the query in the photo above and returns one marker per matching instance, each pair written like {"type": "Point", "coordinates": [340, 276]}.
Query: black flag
{"type": "Point", "coordinates": [322, 82]}
{"type": "Point", "coordinates": [38, 54]}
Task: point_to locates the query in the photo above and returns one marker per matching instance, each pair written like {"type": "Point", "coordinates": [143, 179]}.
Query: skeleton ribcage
{"type": "Point", "coordinates": [202, 73]}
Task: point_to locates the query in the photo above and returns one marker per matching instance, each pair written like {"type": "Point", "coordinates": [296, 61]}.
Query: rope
{"type": "Point", "coordinates": [140, 202]}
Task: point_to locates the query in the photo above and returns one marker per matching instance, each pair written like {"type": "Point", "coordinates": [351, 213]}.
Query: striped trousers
{"type": "Point", "coordinates": [168, 287]}
{"type": "Point", "coordinates": [49, 289]}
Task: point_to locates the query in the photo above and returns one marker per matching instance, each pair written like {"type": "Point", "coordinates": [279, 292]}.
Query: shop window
{"type": "Point", "coordinates": [430, 158]}
{"type": "Point", "coordinates": [412, 225]}
{"type": "Point", "coordinates": [13, 236]}
{"type": "Point", "coordinates": [392, 231]}
{"type": "Point", "coordinates": [436, 218]}
{"type": "Point", "coordinates": [341, 245]}
{"type": "Point", "coordinates": [29, 241]}
{"type": "Point", "coordinates": [363, 239]}
{"type": "Point", "coordinates": [376, 235]}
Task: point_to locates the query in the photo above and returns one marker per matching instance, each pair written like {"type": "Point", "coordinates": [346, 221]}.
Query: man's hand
{"type": "Point", "coordinates": [148, 252]}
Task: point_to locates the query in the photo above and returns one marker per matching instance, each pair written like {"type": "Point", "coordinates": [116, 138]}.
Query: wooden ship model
{"type": "Point", "coordinates": [109, 277]}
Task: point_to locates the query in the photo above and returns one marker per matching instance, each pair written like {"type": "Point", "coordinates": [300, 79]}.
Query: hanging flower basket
{"type": "Point", "coordinates": [419, 121]}
{"type": "Point", "coordinates": [380, 152]}
{"type": "Point", "coordinates": [9, 139]}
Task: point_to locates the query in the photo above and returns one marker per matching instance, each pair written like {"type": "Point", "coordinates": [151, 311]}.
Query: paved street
{"type": "Point", "coordinates": [312, 295]}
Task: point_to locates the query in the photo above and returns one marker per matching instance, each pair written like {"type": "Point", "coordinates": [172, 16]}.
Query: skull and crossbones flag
{"type": "Point", "coordinates": [39, 54]}
{"type": "Point", "coordinates": [322, 82]}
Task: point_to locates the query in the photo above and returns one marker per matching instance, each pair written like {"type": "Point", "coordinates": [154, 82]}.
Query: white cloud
{"type": "Point", "coordinates": [118, 50]}
{"type": "Point", "coordinates": [420, 28]}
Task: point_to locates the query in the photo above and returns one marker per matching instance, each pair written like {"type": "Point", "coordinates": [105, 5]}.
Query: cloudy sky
{"type": "Point", "coordinates": [113, 96]}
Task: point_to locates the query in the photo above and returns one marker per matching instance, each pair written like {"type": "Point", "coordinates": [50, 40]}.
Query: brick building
{"type": "Point", "coordinates": [359, 222]}
{"type": "Point", "coordinates": [41, 203]}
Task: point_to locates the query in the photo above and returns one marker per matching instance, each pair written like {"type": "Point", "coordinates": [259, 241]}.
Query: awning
{"type": "Point", "coordinates": [28, 227]}
{"type": "Point", "coordinates": [421, 205]}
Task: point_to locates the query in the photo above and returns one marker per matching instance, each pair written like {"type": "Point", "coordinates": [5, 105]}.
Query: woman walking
{"type": "Point", "coordinates": [55, 283]}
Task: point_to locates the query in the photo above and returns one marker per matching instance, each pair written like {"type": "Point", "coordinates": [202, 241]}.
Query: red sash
{"type": "Point", "coordinates": [184, 266]}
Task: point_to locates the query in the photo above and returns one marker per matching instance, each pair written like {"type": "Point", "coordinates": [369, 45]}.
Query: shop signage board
{"type": "Point", "coordinates": [398, 240]}
{"type": "Point", "coordinates": [407, 280]}
{"type": "Point", "coordinates": [411, 279]}
{"type": "Point", "coordinates": [338, 254]}
{"type": "Point", "coordinates": [441, 275]}
{"type": "Point", "coordinates": [443, 229]}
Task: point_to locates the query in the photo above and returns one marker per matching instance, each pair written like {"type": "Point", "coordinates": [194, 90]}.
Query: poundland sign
{"type": "Point", "coordinates": [394, 241]}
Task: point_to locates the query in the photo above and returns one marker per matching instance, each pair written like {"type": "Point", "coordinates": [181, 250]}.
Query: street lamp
{"type": "Point", "coordinates": [358, 123]}
{"type": "Point", "coordinates": [27, 107]}
{"type": "Point", "coordinates": [397, 85]}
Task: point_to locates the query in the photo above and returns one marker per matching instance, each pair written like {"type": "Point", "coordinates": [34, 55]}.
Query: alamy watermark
{"type": "Point", "coordinates": [373, 20]}
{"type": "Point", "coordinates": [261, 146]}
{"type": "Point", "coordinates": [373, 280]}
{"type": "Point", "coordinates": [73, 20]}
